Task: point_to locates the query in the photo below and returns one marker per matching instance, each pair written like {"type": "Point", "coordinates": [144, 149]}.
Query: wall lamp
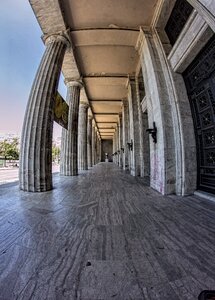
{"type": "Point", "coordinates": [122, 149]}
{"type": "Point", "coordinates": [153, 132]}
{"type": "Point", "coordinates": [130, 145]}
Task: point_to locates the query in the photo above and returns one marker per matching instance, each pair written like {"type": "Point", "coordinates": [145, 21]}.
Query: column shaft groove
{"type": "Point", "coordinates": [82, 137]}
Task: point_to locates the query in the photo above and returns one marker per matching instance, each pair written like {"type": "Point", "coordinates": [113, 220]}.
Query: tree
{"type": "Point", "coordinates": [55, 153]}
{"type": "Point", "coordinates": [9, 150]}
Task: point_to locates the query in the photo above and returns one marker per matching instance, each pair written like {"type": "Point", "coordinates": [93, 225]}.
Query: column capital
{"type": "Point", "coordinates": [59, 36]}
{"type": "Point", "coordinates": [70, 82]}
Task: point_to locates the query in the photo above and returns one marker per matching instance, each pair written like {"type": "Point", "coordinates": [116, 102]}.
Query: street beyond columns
{"type": "Point", "coordinates": [11, 174]}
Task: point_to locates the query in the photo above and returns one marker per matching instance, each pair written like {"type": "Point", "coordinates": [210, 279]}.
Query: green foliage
{"type": "Point", "coordinates": [9, 150]}
{"type": "Point", "coordinates": [55, 153]}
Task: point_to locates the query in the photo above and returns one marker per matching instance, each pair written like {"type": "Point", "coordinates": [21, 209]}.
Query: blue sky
{"type": "Point", "coordinates": [21, 49]}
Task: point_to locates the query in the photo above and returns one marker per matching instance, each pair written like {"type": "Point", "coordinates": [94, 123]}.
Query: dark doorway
{"type": "Point", "coordinates": [200, 82]}
{"type": "Point", "coordinates": [107, 150]}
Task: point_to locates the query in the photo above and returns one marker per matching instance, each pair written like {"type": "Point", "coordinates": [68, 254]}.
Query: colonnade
{"type": "Point", "coordinates": [81, 142]}
{"type": "Point", "coordinates": [130, 130]}
{"type": "Point", "coordinates": [168, 158]}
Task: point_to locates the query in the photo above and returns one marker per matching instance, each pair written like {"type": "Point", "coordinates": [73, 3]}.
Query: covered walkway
{"type": "Point", "coordinates": [104, 235]}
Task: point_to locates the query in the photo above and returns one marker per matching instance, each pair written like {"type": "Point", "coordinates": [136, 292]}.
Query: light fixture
{"type": "Point", "coordinates": [153, 132]}
{"type": "Point", "coordinates": [130, 145]}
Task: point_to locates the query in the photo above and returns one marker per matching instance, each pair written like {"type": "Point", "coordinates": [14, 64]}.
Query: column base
{"type": "Point", "coordinates": [32, 189]}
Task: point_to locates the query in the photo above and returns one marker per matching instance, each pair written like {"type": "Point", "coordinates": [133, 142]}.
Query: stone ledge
{"type": "Point", "coordinates": [205, 195]}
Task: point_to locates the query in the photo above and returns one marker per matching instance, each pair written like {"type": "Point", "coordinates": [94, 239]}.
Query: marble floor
{"type": "Point", "coordinates": [104, 235]}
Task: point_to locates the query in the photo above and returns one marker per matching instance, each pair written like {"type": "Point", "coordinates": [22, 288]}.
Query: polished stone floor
{"type": "Point", "coordinates": [104, 235]}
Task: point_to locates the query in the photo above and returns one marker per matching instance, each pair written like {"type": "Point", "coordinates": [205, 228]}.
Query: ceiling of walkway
{"type": "Point", "coordinates": [104, 34]}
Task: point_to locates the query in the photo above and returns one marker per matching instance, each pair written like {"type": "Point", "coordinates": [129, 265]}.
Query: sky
{"type": "Point", "coordinates": [21, 50]}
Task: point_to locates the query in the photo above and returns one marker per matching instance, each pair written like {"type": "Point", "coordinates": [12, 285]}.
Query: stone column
{"type": "Point", "coordinates": [82, 136]}
{"type": "Point", "coordinates": [134, 130]}
{"type": "Point", "coordinates": [35, 173]}
{"type": "Point", "coordinates": [120, 141]}
{"type": "Point", "coordinates": [97, 148]}
{"type": "Point", "coordinates": [93, 144]}
{"type": "Point", "coordinates": [89, 141]}
{"type": "Point", "coordinates": [167, 105]}
{"type": "Point", "coordinates": [69, 140]}
{"type": "Point", "coordinates": [100, 150]}
{"type": "Point", "coordinates": [140, 129]}
{"type": "Point", "coordinates": [115, 150]}
{"type": "Point", "coordinates": [146, 148]}
{"type": "Point", "coordinates": [118, 145]}
{"type": "Point", "coordinates": [125, 126]}
{"type": "Point", "coordinates": [114, 146]}
{"type": "Point", "coordinates": [96, 142]}
{"type": "Point", "coordinates": [96, 152]}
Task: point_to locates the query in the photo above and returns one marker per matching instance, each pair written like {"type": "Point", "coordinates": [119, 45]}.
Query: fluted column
{"type": "Point", "coordinates": [35, 173]}
{"type": "Point", "coordinates": [69, 139]}
{"type": "Point", "coordinates": [82, 136]}
{"type": "Point", "coordinates": [89, 141]}
{"type": "Point", "coordinates": [95, 150]}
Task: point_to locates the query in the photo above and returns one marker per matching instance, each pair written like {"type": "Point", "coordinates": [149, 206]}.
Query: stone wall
{"type": "Point", "coordinates": [173, 166]}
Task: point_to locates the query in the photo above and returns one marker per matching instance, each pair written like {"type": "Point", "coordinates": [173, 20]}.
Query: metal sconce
{"type": "Point", "coordinates": [122, 150]}
{"type": "Point", "coordinates": [130, 145]}
{"type": "Point", "coordinates": [153, 132]}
